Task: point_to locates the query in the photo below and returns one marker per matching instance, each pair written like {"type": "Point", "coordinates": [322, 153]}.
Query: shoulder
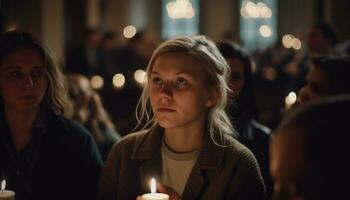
{"type": "Point", "coordinates": [245, 167]}
{"type": "Point", "coordinates": [60, 127]}
{"type": "Point", "coordinates": [128, 142]}
{"type": "Point", "coordinates": [237, 152]}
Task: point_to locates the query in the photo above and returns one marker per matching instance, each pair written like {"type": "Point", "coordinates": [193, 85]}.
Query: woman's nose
{"type": "Point", "coordinates": [28, 82]}
{"type": "Point", "coordinates": [166, 90]}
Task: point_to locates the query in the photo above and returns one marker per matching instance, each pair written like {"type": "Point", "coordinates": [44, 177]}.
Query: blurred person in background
{"type": "Point", "coordinates": [86, 58]}
{"type": "Point", "coordinates": [321, 39]}
{"type": "Point", "coordinates": [328, 76]}
{"type": "Point", "coordinates": [87, 109]}
{"type": "Point", "coordinates": [242, 110]}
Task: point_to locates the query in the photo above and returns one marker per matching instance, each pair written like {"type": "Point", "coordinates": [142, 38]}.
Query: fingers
{"type": "Point", "coordinates": [167, 190]}
{"type": "Point", "coordinates": [139, 198]}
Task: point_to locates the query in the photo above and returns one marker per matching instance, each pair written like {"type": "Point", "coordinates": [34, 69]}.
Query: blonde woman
{"type": "Point", "coordinates": [188, 148]}
{"type": "Point", "coordinates": [87, 109]}
{"type": "Point", "coordinates": [42, 155]}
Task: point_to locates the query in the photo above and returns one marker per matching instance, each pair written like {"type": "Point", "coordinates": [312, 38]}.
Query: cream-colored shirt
{"type": "Point", "coordinates": [176, 167]}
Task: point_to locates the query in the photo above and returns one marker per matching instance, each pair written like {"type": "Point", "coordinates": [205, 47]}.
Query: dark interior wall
{"type": "Point", "coordinates": [296, 16]}
{"type": "Point", "coordinates": [218, 17]}
{"type": "Point", "coordinates": [74, 19]}
{"type": "Point", "coordinates": [340, 16]}
{"type": "Point", "coordinates": [22, 14]}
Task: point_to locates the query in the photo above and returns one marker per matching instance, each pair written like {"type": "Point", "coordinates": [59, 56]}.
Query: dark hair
{"type": "Point", "coordinates": [338, 72]}
{"type": "Point", "coordinates": [56, 94]}
{"type": "Point", "coordinates": [327, 31]}
{"type": "Point", "coordinates": [322, 125]}
{"type": "Point", "coordinates": [108, 36]}
{"type": "Point", "coordinates": [245, 103]}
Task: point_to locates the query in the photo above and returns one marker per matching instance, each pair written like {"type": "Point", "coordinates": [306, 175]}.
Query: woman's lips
{"type": "Point", "coordinates": [27, 97]}
{"type": "Point", "coordinates": [165, 110]}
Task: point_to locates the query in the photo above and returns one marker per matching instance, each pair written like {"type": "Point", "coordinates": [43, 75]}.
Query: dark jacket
{"type": "Point", "coordinates": [229, 172]}
{"type": "Point", "coordinates": [257, 138]}
{"type": "Point", "coordinates": [60, 162]}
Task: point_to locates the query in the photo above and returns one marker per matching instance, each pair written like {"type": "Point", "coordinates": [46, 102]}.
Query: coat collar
{"type": "Point", "coordinates": [210, 160]}
{"type": "Point", "coordinates": [148, 146]}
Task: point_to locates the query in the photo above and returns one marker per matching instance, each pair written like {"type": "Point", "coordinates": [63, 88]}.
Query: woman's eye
{"type": "Point", "coordinates": [181, 81]}
{"type": "Point", "coordinates": [15, 74]}
{"type": "Point", "coordinates": [156, 81]}
{"type": "Point", "coordinates": [37, 73]}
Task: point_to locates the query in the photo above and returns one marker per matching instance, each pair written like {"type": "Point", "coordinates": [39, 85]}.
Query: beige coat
{"type": "Point", "coordinates": [229, 172]}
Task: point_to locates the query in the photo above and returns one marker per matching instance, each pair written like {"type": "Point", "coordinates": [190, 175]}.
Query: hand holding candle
{"type": "Point", "coordinates": [6, 194]}
{"type": "Point", "coordinates": [154, 195]}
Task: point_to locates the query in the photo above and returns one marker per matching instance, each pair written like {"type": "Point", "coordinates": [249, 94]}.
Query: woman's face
{"type": "Point", "coordinates": [23, 80]}
{"type": "Point", "coordinates": [178, 93]}
{"type": "Point", "coordinates": [317, 86]}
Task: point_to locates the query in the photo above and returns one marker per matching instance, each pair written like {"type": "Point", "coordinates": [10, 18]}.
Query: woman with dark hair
{"type": "Point", "coordinates": [242, 108]}
{"type": "Point", "coordinates": [40, 151]}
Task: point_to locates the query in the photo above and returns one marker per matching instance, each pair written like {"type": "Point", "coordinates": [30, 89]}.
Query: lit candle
{"type": "Point", "coordinates": [6, 194]}
{"type": "Point", "coordinates": [290, 100]}
{"type": "Point", "coordinates": [154, 195]}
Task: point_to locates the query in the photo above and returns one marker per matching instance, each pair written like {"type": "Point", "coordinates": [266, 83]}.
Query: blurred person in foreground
{"type": "Point", "coordinates": [306, 149]}
{"type": "Point", "coordinates": [40, 151]}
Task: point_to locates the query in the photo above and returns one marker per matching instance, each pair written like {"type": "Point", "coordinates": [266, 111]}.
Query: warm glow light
{"type": "Point", "coordinates": [129, 31]}
{"type": "Point", "coordinates": [251, 10]}
{"type": "Point", "coordinates": [96, 82]}
{"type": "Point", "coordinates": [296, 44]}
{"type": "Point", "coordinates": [139, 76]}
{"type": "Point", "coordinates": [287, 41]}
{"type": "Point", "coordinates": [153, 185]}
{"type": "Point", "coordinates": [180, 9]}
{"type": "Point", "coordinates": [265, 31]}
{"type": "Point", "coordinates": [290, 41]}
{"type": "Point", "coordinates": [290, 99]}
{"type": "Point", "coordinates": [12, 27]}
{"type": "Point", "coordinates": [3, 185]}
{"type": "Point", "coordinates": [118, 80]}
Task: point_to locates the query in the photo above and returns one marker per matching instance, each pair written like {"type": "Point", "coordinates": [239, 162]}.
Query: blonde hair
{"type": "Point", "coordinates": [56, 95]}
{"type": "Point", "coordinates": [97, 113]}
{"type": "Point", "coordinates": [216, 71]}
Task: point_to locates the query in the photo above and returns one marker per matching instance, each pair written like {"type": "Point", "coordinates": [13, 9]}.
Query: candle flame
{"type": "Point", "coordinates": [3, 185]}
{"type": "Point", "coordinates": [153, 185]}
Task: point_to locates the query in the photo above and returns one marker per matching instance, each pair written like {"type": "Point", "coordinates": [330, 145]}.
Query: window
{"type": "Point", "coordinates": [258, 24]}
{"type": "Point", "coordinates": [180, 17]}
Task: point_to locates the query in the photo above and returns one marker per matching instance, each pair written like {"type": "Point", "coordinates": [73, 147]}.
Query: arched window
{"type": "Point", "coordinates": [258, 23]}
{"type": "Point", "coordinates": [180, 17]}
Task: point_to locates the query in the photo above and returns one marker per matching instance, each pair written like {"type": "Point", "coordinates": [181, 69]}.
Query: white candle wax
{"type": "Point", "coordinates": [7, 195]}
{"type": "Point", "coordinates": [155, 196]}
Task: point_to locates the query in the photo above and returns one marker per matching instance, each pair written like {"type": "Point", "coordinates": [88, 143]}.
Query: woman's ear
{"type": "Point", "coordinates": [212, 98]}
